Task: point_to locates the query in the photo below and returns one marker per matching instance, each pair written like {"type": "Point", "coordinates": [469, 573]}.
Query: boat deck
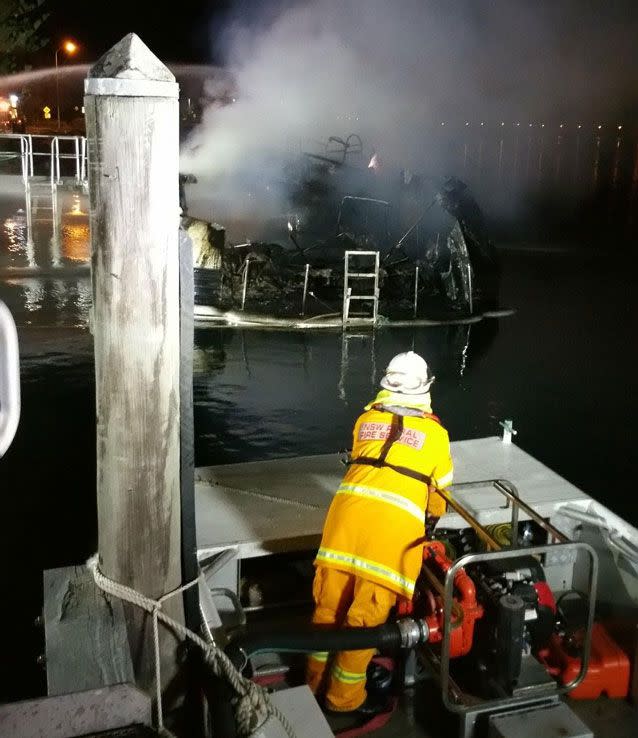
{"type": "Point", "coordinates": [420, 715]}
{"type": "Point", "coordinates": [265, 507]}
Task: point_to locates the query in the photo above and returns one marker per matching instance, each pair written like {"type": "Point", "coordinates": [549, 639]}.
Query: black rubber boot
{"type": "Point", "coordinates": [379, 679]}
{"type": "Point", "coordinates": [375, 704]}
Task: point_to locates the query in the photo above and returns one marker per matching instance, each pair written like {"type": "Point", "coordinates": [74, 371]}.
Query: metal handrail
{"type": "Point", "coordinates": [448, 685]}
{"type": "Point", "coordinates": [510, 492]}
{"type": "Point", "coordinates": [26, 159]}
{"type": "Point", "coordinates": [32, 153]}
{"type": "Point", "coordinates": [56, 156]}
{"type": "Point", "coordinates": [84, 158]}
{"type": "Point", "coordinates": [236, 602]}
{"type": "Point", "coordinates": [28, 154]}
{"type": "Point", "coordinates": [453, 696]}
{"type": "Point", "coordinates": [30, 140]}
{"type": "Point", "coordinates": [55, 162]}
{"type": "Point", "coordinates": [9, 379]}
{"type": "Point", "coordinates": [23, 154]}
{"type": "Point", "coordinates": [482, 533]}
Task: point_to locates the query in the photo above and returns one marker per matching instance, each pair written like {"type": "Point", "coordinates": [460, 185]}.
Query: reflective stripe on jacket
{"type": "Point", "coordinates": [375, 523]}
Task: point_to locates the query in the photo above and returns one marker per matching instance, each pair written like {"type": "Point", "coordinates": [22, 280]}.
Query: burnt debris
{"type": "Point", "coordinates": [430, 233]}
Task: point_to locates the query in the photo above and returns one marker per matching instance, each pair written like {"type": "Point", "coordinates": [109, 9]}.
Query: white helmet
{"type": "Point", "coordinates": [408, 374]}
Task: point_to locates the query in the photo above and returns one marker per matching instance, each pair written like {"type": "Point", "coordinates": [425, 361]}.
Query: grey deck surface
{"type": "Point", "coordinates": [303, 713]}
{"type": "Point", "coordinates": [272, 506]}
{"type": "Point", "coordinates": [605, 718]}
{"type": "Point", "coordinates": [265, 506]}
{"type": "Point", "coordinates": [420, 714]}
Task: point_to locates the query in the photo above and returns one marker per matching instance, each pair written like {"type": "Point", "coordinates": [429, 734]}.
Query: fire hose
{"type": "Point", "coordinates": [404, 633]}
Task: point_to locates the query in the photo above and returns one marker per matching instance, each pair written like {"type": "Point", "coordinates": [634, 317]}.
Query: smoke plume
{"type": "Point", "coordinates": [393, 70]}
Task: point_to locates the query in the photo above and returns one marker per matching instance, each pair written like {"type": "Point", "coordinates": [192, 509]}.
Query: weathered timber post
{"type": "Point", "coordinates": [132, 129]}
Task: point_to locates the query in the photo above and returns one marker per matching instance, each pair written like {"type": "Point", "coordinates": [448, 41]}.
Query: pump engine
{"type": "Point", "coordinates": [503, 618]}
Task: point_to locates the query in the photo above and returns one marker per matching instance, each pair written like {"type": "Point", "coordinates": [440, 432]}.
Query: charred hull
{"type": "Point", "coordinates": [262, 279]}
{"type": "Point", "coordinates": [435, 256]}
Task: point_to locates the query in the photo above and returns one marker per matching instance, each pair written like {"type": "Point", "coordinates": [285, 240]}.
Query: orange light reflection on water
{"type": "Point", "coordinates": [75, 239]}
{"type": "Point", "coordinates": [15, 231]}
{"type": "Point", "coordinates": [76, 208]}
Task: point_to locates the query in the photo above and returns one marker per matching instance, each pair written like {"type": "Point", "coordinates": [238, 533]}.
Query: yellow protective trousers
{"type": "Point", "coordinates": [344, 599]}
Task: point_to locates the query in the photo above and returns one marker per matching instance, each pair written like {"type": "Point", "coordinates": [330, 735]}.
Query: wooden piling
{"type": "Point", "coordinates": [131, 102]}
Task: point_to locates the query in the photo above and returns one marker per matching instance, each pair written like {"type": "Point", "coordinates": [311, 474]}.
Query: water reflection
{"type": "Point", "coordinates": [15, 232]}
{"type": "Point", "coordinates": [33, 291]}
{"type": "Point", "coordinates": [454, 346]}
{"type": "Point", "coordinates": [71, 236]}
{"type": "Point", "coordinates": [46, 302]}
{"type": "Point", "coordinates": [362, 346]}
{"type": "Point", "coordinates": [44, 256]}
{"type": "Point", "coordinates": [52, 230]}
{"type": "Point", "coordinates": [16, 240]}
{"type": "Point", "coordinates": [263, 394]}
{"type": "Point", "coordinates": [75, 242]}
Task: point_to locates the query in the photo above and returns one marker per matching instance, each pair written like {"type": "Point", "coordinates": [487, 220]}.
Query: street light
{"type": "Point", "coordinates": [70, 48]}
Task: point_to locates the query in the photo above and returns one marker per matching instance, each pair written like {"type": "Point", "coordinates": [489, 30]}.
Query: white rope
{"type": "Point", "coordinates": [252, 707]}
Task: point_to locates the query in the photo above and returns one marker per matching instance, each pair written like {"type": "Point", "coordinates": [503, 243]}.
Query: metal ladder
{"type": "Point", "coordinates": [360, 359]}
{"type": "Point", "coordinates": [43, 202]}
{"type": "Point", "coordinates": [349, 275]}
{"type": "Point", "coordinates": [42, 213]}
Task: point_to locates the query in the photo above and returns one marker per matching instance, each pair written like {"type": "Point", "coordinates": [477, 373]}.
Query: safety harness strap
{"type": "Point", "coordinates": [406, 471]}
{"type": "Point", "coordinates": [396, 430]}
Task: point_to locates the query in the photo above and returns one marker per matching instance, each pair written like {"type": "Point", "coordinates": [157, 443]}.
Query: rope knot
{"type": "Point", "coordinates": [251, 709]}
{"type": "Point", "coordinates": [252, 706]}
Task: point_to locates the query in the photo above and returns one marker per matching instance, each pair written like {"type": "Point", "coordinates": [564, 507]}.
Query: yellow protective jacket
{"type": "Point", "coordinates": [376, 522]}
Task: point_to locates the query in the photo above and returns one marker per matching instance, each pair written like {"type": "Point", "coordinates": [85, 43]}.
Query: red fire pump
{"type": "Point", "coordinates": [510, 611]}
{"type": "Point", "coordinates": [428, 604]}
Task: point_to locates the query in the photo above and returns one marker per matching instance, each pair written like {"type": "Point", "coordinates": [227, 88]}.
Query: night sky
{"type": "Point", "coordinates": [183, 34]}
{"type": "Point", "coordinates": [192, 31]}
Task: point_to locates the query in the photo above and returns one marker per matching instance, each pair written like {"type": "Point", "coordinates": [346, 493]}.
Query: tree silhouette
{"type": "Point", "coordinates": [21, 31]}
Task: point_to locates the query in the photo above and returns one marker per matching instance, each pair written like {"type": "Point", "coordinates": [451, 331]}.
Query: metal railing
{"type": "Point", "coordinates": [12, 153]}
{"type": "Point", "coordinates": [76, 155]}
{"type": "Point", "coordinates": [56, 149]}
{"type": "Point", "coordinates": [510, 492]}
{"type": "Point", "coordinates": [454, 697]}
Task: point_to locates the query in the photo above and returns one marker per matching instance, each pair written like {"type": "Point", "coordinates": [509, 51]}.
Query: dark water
{"type": "Point", "coordinates": [562, 368]}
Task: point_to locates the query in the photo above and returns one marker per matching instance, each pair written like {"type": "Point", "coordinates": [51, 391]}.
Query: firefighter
{"type": "Point", "coordinates": [371, 548]}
